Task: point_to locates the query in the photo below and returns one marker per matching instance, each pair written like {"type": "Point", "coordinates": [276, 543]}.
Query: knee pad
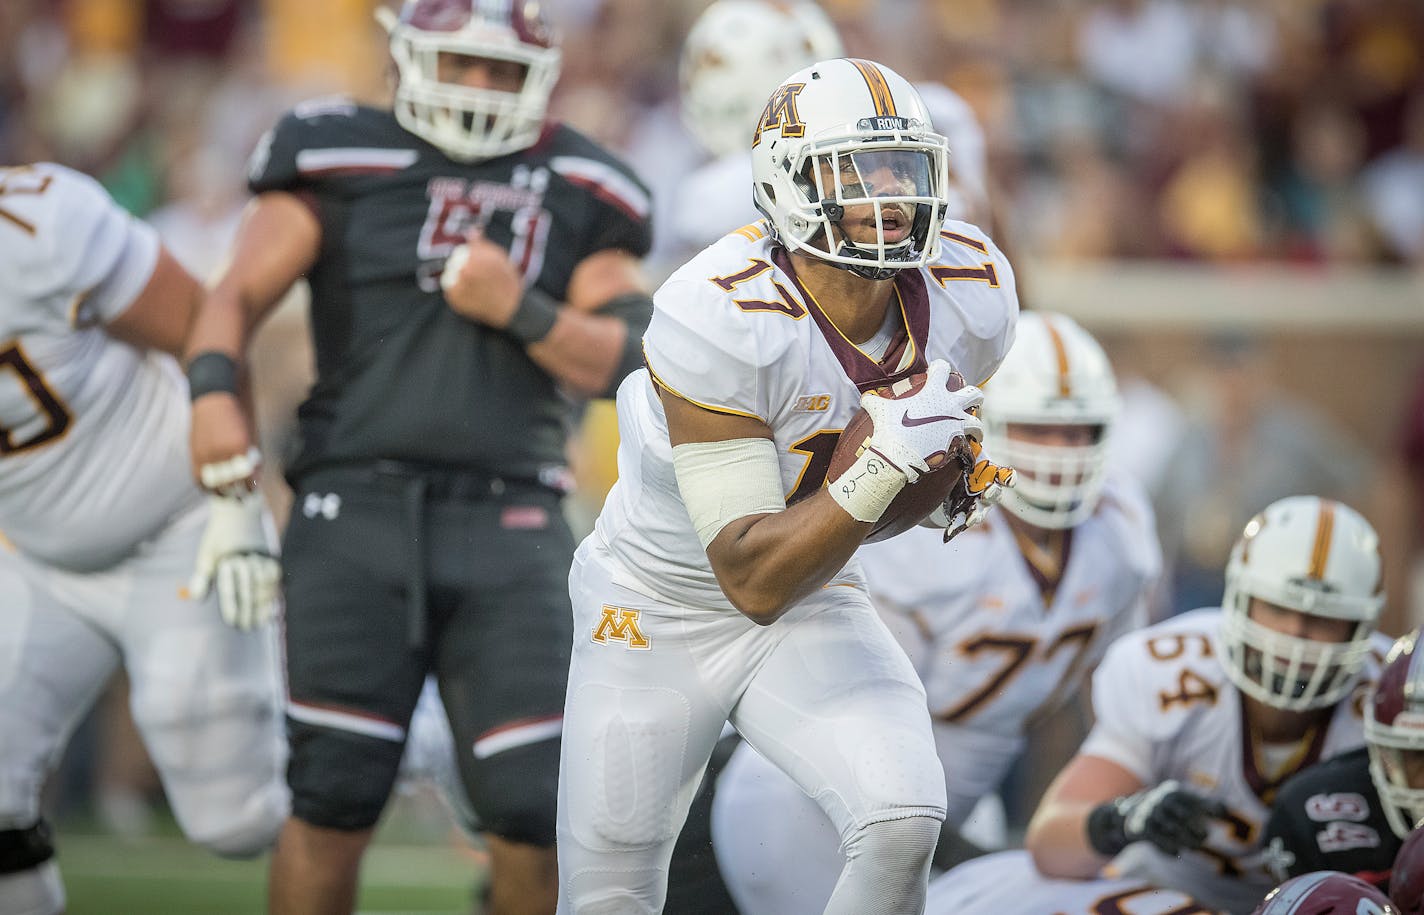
{"type": "Point", "coordinates": [515, 792]}
{"type": "Point", "coordinates": [25, 849]}
{"type": "Point", "coordinates": [340, 780]}
{"type": "Point", "coordinates": [252, 829]}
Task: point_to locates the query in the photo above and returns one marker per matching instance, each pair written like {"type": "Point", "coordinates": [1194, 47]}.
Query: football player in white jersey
{"type": "Point", "coordinates": [1007, 881]}
{"type": "Point", "coordinates": [719, 584]}
{"type": "Point", "coordinates": [106, 527]}
{"type": "Point", "coordinates": [735, 54]}
{"type": "Point", "coordinates": [1001, 625]}
{"type": "Point", "coordinates": [1201, 718]}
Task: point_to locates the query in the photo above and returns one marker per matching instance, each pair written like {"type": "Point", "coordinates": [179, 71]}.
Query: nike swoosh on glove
{"type": "Point", "coordinates": [915, 433]}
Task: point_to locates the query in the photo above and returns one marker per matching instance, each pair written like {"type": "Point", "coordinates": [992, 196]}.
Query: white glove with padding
{"type": "Point", "coordinates": [239, 552]}
{"type": "Point", "coordinates": [914, 432]}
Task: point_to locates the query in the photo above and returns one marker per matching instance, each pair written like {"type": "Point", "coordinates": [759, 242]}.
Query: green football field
{"type": "Point", "coordinates": [416, 865]}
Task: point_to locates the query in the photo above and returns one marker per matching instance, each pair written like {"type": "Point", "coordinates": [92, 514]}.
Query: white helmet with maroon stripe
{"type": "Point", "coordinates": [1055, 374]}
{"type": "Point", "coordinates": [735, 54]}
{"type": "Point", "coordinates": [463, 122]}
{"type": "Point", "coordinates": [850, 133]}
{"type": "Point", "coordinates": [1314, 556]}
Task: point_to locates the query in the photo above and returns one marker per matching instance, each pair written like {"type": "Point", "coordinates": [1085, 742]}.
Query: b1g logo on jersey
{"type": "Point", "coordinates": [458, 205]}
{"type": "Point", "coordinates": [620, 624]}
{"type": "Point", "coordinates": [780, 113]}
{"type": "Point", "coordinates": [812, 403]}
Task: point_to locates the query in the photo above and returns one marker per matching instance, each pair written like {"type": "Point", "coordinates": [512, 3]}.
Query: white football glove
{"type": "Point", "coordinates": [914, 433]}
{"type": "Point", "coordinates": [239, 551]}
{"type": "Point", "coordinates": [237, 474]}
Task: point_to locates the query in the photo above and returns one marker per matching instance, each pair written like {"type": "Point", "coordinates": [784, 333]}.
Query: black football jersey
{"type": "Point", "coordinates": [399, 375]}
{"type": "Point", "coordinates": [1329, 818]}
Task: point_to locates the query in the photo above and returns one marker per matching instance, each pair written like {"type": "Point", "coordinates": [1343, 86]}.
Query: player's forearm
{"type": "Point", "coordinates": [1057, 838]}
{"type": "Point", "coordinates": [766, 563]}
{"type": "Point", "coordinates": [583, 352]}
{"type": "Point", "coordinates": [221, 325]}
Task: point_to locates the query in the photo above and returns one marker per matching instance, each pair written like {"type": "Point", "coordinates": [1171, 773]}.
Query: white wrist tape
{"type": "Point", "coordinates": [868, 486]}
{"type": "Point", "coordinates": [723, 481]}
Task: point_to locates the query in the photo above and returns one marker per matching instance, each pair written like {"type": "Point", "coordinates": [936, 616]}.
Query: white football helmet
{"type": "Point", "coordinates": [1394, 727]}
{"type": "Point", "coordinates": [737, 52]}
{"type": "Point", "coordinates": [851, 134]}
{"type": "Point", "coordinates": [818, 33]}
{"type": "Point", "coordinates": [1055, 374]}
{"type": "Point", "coordinates": [463, 122]}
{"type": "Point", "coordinates": [1317, 557]}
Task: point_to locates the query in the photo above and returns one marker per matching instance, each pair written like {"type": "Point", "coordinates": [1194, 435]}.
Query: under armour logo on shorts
{"type": "Point", "coordinates": [328, 506]}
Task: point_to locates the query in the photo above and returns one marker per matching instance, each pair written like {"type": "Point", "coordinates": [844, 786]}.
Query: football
{"type": "Point", "coordinates": [917, 500]}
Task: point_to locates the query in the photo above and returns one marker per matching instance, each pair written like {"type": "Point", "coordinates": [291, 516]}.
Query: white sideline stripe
{"type": "Point", "coordinates": [607, 177]}
{"type": "Point", "coordinates": [314, 160]}
{"type": "Point", "coordinates": [343, 721]}
{"type": "Point", "coordinates": [517, 737]}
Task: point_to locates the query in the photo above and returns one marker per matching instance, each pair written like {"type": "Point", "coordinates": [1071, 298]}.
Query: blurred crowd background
{"type": "Point", "coordinates": [1229, 193]}
{"type": "Point", "coordinates": [1217, 130]}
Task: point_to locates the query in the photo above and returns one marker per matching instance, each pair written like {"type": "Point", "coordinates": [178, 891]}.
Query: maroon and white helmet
{"type": "Point", "coordinates": [464, 122]}
{"type": "Point", "coordinates": [1325, 893]}
{"type": "Point", "coordinates": [1406, 880]}
{"type": "Point", "coordinates": [1394, 730]}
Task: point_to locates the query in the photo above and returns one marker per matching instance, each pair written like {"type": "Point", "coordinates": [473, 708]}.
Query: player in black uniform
{"type": "Point", "coordinates": [469, 263]}
{"type": "Point", "coordinates": [1353, 812]}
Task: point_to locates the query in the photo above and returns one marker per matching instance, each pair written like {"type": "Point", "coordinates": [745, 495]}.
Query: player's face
{"type": "Point", "coordinates": [1300, 625]}
{"type": "Point", "coordinates": [1412, 763]}
{"type": "Point", "coordinates": [481, 72]}
{"type": "Point", "coordinates": [1297, 625]}
{"type": "Point", "coordinates": [877, 173]}
{"type": "Point", "coordinates": [1060, 435]}
{"type": "Point", "coordinates": [1053, 435]}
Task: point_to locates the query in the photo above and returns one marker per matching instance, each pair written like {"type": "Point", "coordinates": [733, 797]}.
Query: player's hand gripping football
{"type": "Point", "coordinates": [978, 490]}
{"type": "Point", "coordinates": [914, 434]}
{"type": "Point", "coordinates": [238, 552]}
{"type": "Point", "coordinates": [1171, 817]}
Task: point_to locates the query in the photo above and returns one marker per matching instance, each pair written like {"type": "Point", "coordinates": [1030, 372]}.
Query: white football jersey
{"type": "Point", "coordinates": [995, 643]}
{"type": "Point", "coordinates": [1008, 882]}
{"type": "Point", "coordinates": [733, 331]}
{"type": "Point", "coordinates": [1166, 710]}
{"type": "Point", "coordinates": [93, 432]}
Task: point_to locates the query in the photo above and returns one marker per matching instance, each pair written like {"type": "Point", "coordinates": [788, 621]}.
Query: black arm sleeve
{"type": "Point", "coordinates": [635, 309]}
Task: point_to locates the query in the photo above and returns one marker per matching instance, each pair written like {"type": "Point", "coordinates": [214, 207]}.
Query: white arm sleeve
{"type": "Point", "coordinates": [723, 481]}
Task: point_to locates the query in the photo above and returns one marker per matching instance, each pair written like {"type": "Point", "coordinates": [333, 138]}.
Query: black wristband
{"type": "Point", "coordinates": [211, 372]}
{"type": "Point", "coordinates": [534, 317]}
{"type": "Point", "coordinates": [1105, 832]}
